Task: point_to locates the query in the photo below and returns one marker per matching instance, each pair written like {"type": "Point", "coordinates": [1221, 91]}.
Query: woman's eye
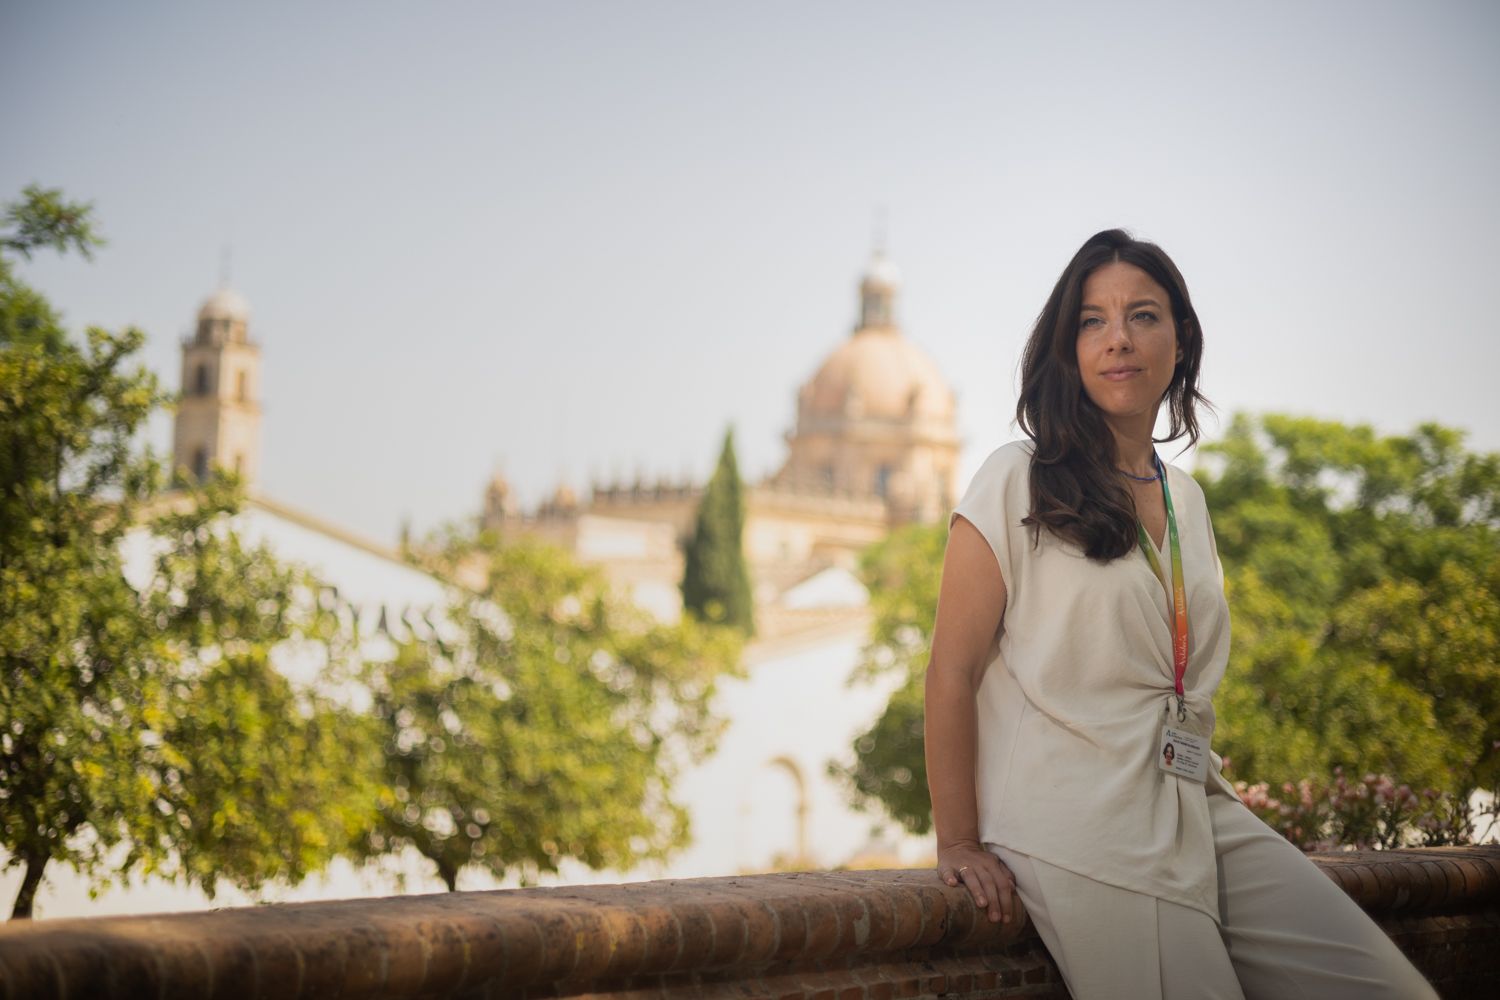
{"type": "Point", "coordinates": [1089, 322]}
{"type": "Point", "coordinates": [1145, 315]}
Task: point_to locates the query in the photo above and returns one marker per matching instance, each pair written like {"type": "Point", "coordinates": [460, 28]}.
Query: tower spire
{"type": "Point", "coordinates": [877, 289]}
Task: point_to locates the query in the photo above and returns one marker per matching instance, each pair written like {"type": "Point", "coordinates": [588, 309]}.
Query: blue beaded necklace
{"type": "Point", "coordinates": [1156, 459]}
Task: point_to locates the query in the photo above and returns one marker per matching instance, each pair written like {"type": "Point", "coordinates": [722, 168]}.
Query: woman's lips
{"type": "Point", "coordinates": [1121, 374]}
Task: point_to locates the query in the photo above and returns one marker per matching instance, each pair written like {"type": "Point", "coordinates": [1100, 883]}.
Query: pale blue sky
{"type": "Point", "coordinates": [579, 239]}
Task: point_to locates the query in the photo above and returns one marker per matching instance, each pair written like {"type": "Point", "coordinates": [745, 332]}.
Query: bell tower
{"type": "Point", "coordinates": [218, 418]}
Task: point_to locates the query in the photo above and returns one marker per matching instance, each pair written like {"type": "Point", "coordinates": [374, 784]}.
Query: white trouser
{"type": "Point", "coordinates": [1288, 933]}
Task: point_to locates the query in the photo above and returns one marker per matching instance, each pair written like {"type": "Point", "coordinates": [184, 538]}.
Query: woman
{"type": "Point", "coordinates": [1081, 631]}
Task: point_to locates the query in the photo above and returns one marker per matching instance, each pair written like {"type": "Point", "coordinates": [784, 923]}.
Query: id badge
{"type": "Point", "coordinates": [1181, 753]}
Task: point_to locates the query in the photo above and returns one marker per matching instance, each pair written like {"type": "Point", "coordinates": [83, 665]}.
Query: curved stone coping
{"type": "Point", "coordinates": [1417, 880]}
{"type": "Point", "coordinates": [502, 941]}
{"type": "Point", "coordinates": [434, 944]}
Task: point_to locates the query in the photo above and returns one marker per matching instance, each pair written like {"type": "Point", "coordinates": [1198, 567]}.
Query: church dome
{"type": "Point", "coordinates": [226, 303]}
{"type": "Point", "coordinates": [878, 373]}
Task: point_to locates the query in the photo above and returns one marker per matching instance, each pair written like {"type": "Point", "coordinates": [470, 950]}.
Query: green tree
{"type": "Point", "coordinates": [1363, 575]}
{"type": "Point", "coordinates": [254, 778]}
{"type": "Point", "coordinates": [1363, 572]}
{"type": "Point", "coordinates": [71, 691]}
{"type": "Point", "coordinates": [118, 704]}
{"type": "Point", "coordinates": [715, 580]}
{"type": "Point", "coordinates": [902, 573]}
{"type": "Point", "coordinates": [544, 721]}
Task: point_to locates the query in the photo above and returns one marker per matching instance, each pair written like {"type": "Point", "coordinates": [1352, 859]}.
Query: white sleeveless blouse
{"type": "Point", "coordinates": [1072, 698]}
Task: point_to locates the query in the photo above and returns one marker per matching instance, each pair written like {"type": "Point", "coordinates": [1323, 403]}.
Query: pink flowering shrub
{"type": "Point", "coordinates": [1301, 814]}
{"type": "Point", "coordinates": [1374, 813]}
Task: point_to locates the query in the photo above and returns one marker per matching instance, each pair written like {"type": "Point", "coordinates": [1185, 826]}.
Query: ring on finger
{"type": "Point", "coordinates": [963, 869]}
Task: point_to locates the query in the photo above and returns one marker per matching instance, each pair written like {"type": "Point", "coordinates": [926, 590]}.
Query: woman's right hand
{"type": "Point", "coordinates": [989, 881]}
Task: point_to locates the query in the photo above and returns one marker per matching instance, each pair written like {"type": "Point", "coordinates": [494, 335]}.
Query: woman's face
{"type": "Point", "coordinates": [1127, 343]}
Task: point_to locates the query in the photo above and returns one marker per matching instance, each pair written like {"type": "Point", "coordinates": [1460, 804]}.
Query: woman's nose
{"type": "Point", "coordinates": [1119, 335]}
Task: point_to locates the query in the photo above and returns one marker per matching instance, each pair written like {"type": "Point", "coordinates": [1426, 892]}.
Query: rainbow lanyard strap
{"type": "Point", "coordinates": [1179, 589]}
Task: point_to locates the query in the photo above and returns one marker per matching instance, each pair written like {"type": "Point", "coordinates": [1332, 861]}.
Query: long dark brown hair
{"type": "Point", "coordinates": [1076, 490]}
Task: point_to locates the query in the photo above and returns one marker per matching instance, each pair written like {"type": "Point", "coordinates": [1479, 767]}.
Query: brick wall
{"type": "Point", "coordinates": [834, 935]}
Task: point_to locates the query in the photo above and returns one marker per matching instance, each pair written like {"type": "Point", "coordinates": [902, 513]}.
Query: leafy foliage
{"type": "Point", "coordinates": [548, 725]}
{"type": "Point", "coordinates": [254, 778]}
{"type": "Point", "coordinates": [72, 689]}
{"type": "Point", "coordinates": [1363, 575]}
{"type": "Point", "coordinates": [888, 761]}
{"type": "Point", "coordinates": [902, 573]}
{"type": "Point", "coordinates": [139, 718]}
{"type": "Point", "coordinates": [43, 219]}
{"type": "Point", "coordinates": [715, 579]}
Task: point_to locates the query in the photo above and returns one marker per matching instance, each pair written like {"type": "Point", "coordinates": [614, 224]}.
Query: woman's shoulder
{"type": "Point", "coordinates": [998, 488]}
{"type": "Point", "coordinates": [1007, 460]}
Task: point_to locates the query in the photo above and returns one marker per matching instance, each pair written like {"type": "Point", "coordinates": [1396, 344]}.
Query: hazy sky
{"type": "Point", "coordinates": [580, 239]}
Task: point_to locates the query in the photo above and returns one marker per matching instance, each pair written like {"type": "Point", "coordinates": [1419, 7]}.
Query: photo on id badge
{"type": "Point", "coordinates": [1183, 754]}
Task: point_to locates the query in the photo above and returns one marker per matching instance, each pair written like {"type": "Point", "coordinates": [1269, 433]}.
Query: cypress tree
{"type": "Point", "coordinates": [715, 579]}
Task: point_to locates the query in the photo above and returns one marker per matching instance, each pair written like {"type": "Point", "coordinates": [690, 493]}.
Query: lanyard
{"type": "Point", "coordinates": [1178, 588]}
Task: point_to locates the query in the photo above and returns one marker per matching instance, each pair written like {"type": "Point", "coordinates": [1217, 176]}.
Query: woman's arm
{"type": "Point", "coordinates": [971, 603]}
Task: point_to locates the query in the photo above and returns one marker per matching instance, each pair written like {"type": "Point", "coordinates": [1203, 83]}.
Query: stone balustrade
{"type": "Point", "coordinates": [834, 935]}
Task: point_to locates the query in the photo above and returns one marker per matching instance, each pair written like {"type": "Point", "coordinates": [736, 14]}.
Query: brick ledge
{"type": "Point", "coordinates": [875, 933]}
